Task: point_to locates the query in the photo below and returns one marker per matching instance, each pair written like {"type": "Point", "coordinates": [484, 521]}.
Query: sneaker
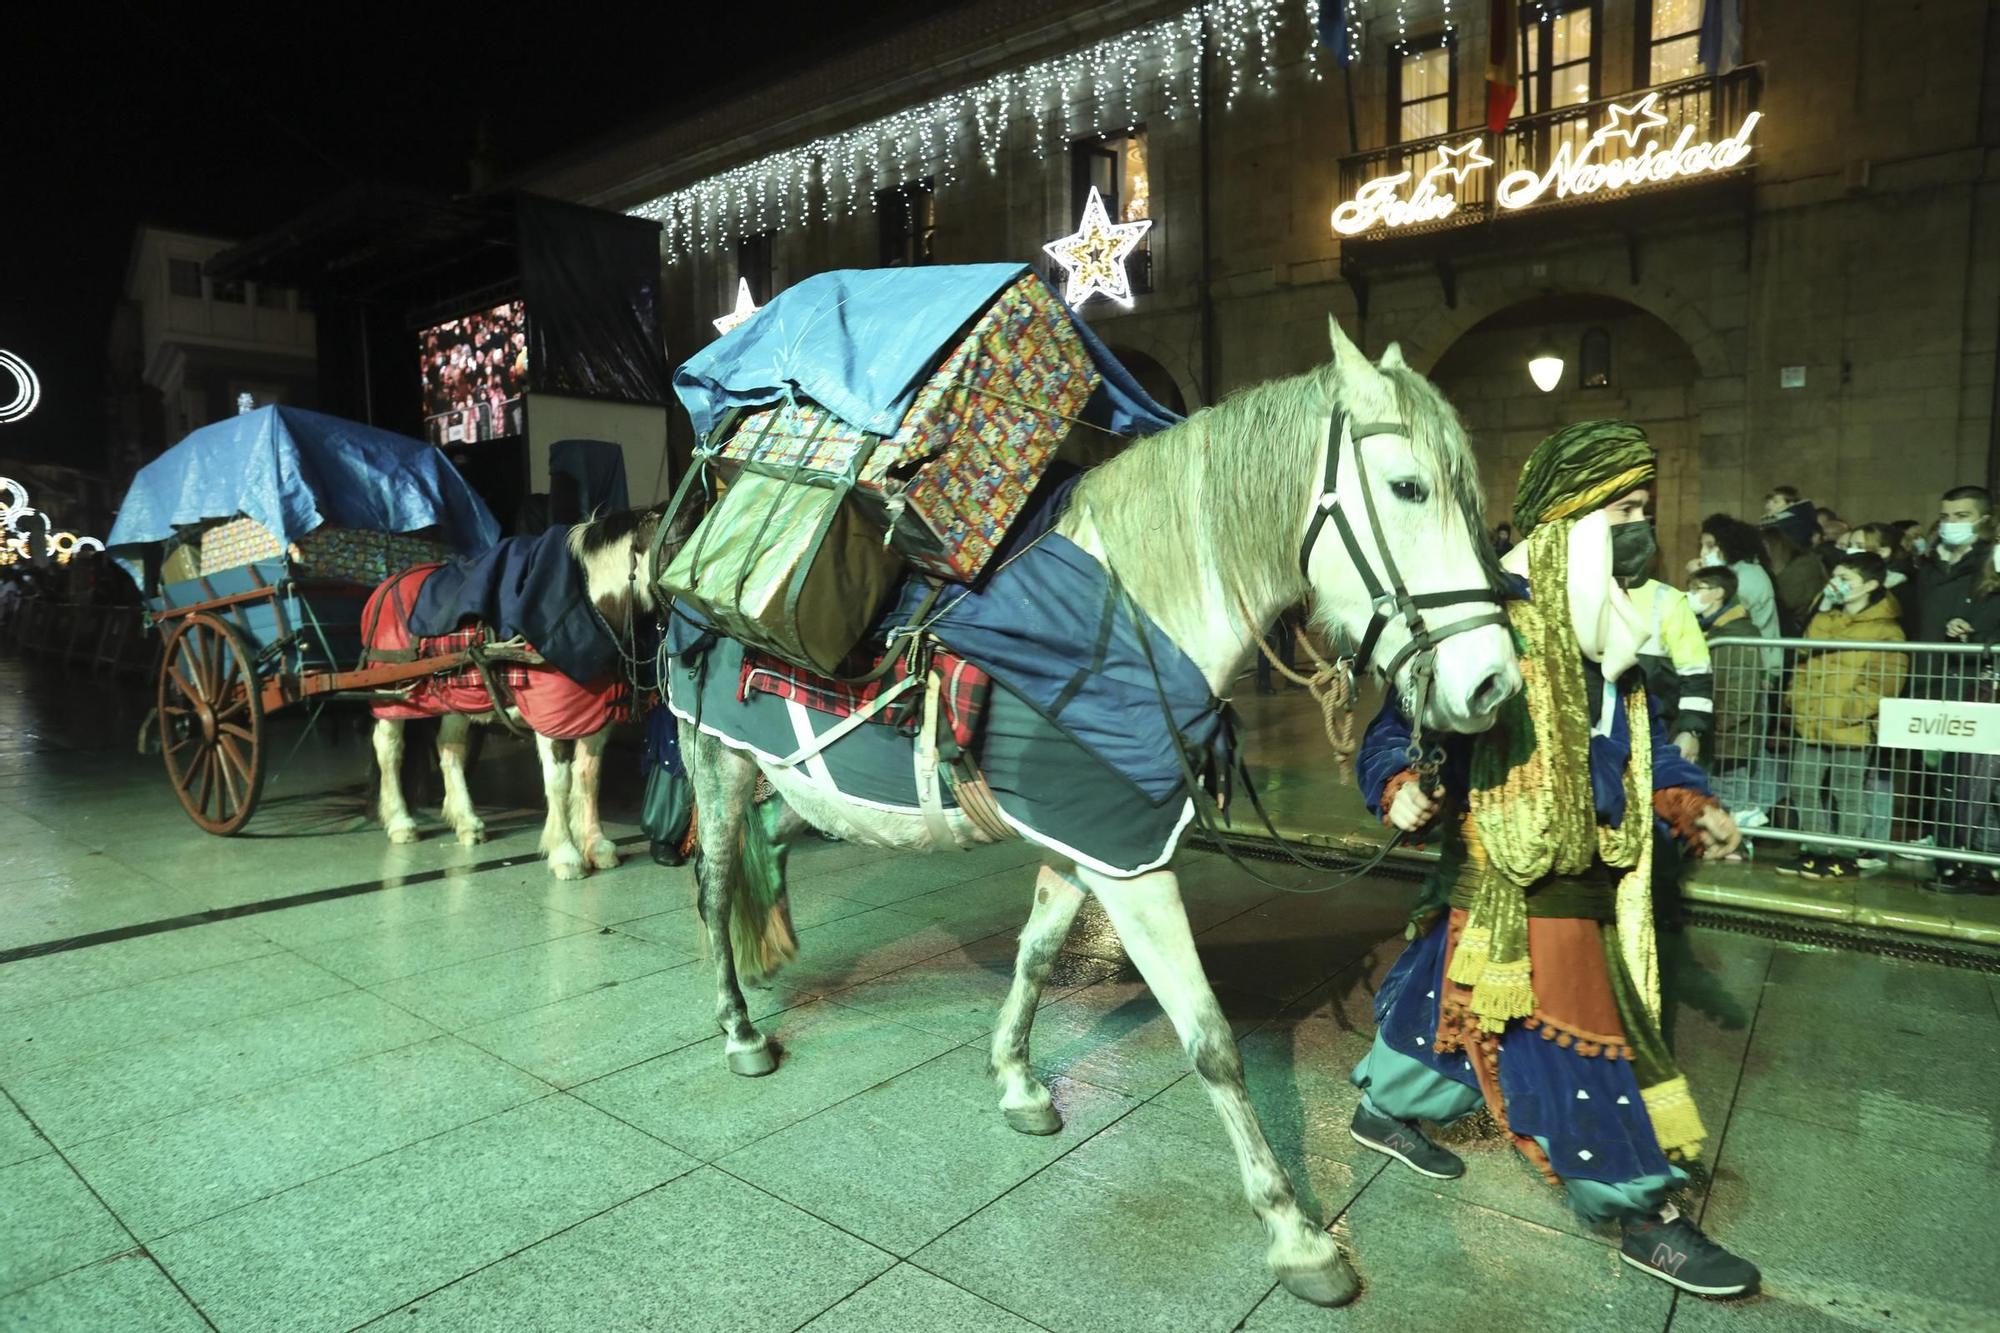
{"type": "Point", "coordinates": [1404, 1142]}
{"type": "Point", "coordinates": [1829, 867]}
{"type": "Point", "coordinates": [1806, 864]}
{"type": "Point", "coordinates": [1955, 878]}
{"type": "Point", "coordinates": [1750, 817]}
{"type": "Point", "coordinates": [1674, 1250]}
{"type": "Point", "coordinates": [1872, 865]}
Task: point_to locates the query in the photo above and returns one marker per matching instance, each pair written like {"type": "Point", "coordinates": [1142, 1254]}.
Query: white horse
{"type": "Point", "coordinates": [1227, 516]}
{"type": "Point", "coordinates": [573, 839]}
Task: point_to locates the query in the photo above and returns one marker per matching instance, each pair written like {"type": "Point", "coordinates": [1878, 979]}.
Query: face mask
{"type": "Point", "coordinates": [1706, 603]}
{"type": "Point", "coordinates": [1956, 534]}
{"type": "Point", "coordinates": [1923, 545]}
{"type": "Point", "coordinates": [1713, 559]}
{"type": "Point", "coordinates": [1632, 549]}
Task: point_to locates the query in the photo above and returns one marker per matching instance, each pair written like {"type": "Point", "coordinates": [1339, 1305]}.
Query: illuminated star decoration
{"type": "Point", "coordinates": [1460, 162]}
{"type": "Point", "coordinates": [745, 307]}
{"type": "Point", "coordinates": [1094, 257]}
{"type": "Point", "coordinates": [27, 387]}
{"type": "Point", "coordinates": [1640, 113]}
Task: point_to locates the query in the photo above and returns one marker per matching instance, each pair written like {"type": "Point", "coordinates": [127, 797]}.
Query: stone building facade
{"type": "Point", "coordinates": [1823, 314]}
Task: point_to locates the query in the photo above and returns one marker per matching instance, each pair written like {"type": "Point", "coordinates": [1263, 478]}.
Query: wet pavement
{"type": "Point", "coordinates": [450, 1092]}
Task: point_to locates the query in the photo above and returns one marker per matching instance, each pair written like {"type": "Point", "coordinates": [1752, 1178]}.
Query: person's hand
{"type": "Point", "coordinates": [1694, 566]}
{"type": "Point", "coordinates": [1689, 745]}
{"type": "Point", "coordinates": [1960, 628]}
{"type": "Point", "coordinates": [1720, 836]}
{"type": "Point", "coordinates": [1412, 809]}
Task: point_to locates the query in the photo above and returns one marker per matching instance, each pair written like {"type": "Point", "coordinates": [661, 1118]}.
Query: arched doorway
{"type": "Point", "coordinates": [1618, 361]}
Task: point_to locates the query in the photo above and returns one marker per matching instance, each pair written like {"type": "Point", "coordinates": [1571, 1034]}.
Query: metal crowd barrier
{"type": "Point", "coordinates": [1860, 748]}
{"type": "Point", "coordinates": [101, 639]}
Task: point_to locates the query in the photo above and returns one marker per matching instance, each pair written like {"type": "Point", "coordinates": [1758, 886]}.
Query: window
{"type": "Point", "coordinates": [1423, 83]}
{"type": "Point", "coordinates": [1116, 164]}
{"type": "Point", "coordinates": [272, 298]}
{"type": "Point", "coordinates": [184, 277]}
{"type": "Point", "coordinates": [1559, 50]}
{"type": "Point", "coordinates": [1670, 41]}
{"type": "Point", "coordinates": [231, 292]}
{"type": "Point", "coordinates": [906, 222]}
{"type": "Point", "coordinates": [1593, 360]}
{"type": "Point", "coordinates": [754, 264]}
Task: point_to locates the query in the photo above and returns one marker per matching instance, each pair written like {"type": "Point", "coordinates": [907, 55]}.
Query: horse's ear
{"type": "Point", "coordinates": [1393, 358]}
{"type": "Point", "coordinates": [1347, 358]}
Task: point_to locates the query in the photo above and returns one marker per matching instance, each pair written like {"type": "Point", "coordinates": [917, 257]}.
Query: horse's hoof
{"type": "Point", "coordinates": [604, 856]}
{"type": "Point", "coordinates": [403, 834]}
{"type": "Point", "coordinates": [1327, 1285]}
{"type": "Point", "coordinates": [754, 1063]}
{"type": "Point", "coordinates": [472, 836]}
{"type": "Point", "coordinates": [1038, 1120]}
{"type": "Point", "coordinates": [566, 867]}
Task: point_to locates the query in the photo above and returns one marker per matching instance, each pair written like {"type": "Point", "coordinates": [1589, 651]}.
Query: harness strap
{"type": "Point", "coordinates": [930, 793]}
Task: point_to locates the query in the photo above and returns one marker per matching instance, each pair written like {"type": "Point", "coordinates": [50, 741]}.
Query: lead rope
{"type": "Point", "coordinates": [1331, 686]}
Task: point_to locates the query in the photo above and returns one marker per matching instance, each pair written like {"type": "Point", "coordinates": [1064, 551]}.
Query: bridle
{"type": "Point", "coordinates": [1392, 601]}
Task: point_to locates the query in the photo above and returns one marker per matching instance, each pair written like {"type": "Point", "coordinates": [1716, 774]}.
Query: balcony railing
{"type": "Point", "coordinates": [1461, 193]}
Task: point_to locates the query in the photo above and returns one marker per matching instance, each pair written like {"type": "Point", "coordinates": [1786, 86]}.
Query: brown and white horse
{"type": "Point", "coordinates": [571, 722]}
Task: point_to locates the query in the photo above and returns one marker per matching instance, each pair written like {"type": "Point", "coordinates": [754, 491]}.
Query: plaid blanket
{"type": "Point", "coordinates": [963, 693]}
{"type": "Point", "coordinates": [512, 675]}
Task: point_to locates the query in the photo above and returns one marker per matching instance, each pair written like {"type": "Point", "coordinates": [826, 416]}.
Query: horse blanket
{"type": "Point", "coordinates": [525, 587]}
{"type": "Point", "coordinates": [1073, 742]}
{"type": "Point", "coordinates": [550, 702]}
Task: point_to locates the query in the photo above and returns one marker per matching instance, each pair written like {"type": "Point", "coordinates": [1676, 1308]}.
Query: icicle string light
{"type": "Point", "coordinates": [1089, 90]}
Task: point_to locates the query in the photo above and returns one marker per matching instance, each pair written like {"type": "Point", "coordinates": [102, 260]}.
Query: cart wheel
{"type": "Point", "coordinates": [211, 722]}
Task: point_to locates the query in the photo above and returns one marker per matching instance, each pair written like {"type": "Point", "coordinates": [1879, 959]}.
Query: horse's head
{"type": "Point", "coordinates": [1395, 544]}
{"type": "Point", "coordinates": [615, 550]}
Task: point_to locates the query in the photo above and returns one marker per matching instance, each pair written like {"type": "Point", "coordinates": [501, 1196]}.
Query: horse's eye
{"type": "Point", "coordinates": [1409, 492]}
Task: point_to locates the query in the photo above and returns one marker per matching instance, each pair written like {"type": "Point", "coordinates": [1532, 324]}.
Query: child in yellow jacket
{"type": "Point", "coordinates": [1836, 698]}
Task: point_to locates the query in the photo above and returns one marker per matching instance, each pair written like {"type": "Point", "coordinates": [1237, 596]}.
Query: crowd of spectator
{"type": "Point", "coordinates": [1792, 734]}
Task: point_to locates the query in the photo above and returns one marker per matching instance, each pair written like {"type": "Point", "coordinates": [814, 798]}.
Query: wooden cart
{"type": "Point", "coordinates": [241, 644]}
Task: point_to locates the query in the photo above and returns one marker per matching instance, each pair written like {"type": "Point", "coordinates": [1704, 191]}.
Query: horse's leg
{"type": "Point", "coordinates": [1153, 926]}
{"type": "Point", "coordinates": [724, 782]}
{"type": "Point", "coordinates": [395, 815]}
{"type": "Point", "coordinates": [599, 850]}
{"type": "Point", "coordinates": [1023, 1098]}
{"type": "Point", "coordinates": [454, 743]}
{"type": "Point", "coordinates": [564, 861]}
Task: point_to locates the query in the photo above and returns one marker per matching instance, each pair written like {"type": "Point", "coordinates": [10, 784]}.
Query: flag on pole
{"type": "Point", "coordinates": [1721, 42]}
{"type": "Point", "coordinates": [1503, 64]}
{"type": "Point", "coordinates": [1333, 33]}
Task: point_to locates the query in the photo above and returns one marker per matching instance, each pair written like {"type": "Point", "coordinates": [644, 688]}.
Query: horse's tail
{"type": "Point", "coordinates": [760, 926]}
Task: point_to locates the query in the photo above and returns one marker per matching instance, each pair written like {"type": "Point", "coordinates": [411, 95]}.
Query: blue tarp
{"type": "Point", "coordinates": [861, 342]}
{"type": "Point", "coordinates": [292, 470]}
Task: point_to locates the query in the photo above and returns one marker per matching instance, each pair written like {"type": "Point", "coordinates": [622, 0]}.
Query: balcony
{"type": "Point", "coordinates": [1639, 143]}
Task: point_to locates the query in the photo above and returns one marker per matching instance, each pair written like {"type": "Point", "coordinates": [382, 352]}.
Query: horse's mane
{"type": "Point", "coordinates": [1224, 487]}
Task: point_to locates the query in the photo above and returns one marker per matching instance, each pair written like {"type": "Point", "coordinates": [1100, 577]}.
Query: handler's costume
{"type": "Point", "coordinates": [1535, 991]}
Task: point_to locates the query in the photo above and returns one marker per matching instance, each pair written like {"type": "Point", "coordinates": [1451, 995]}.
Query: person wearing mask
{"type": "Point", "coordinates": [1836, 700]}
{"type": "Point", "coordinates": [1882, 539]}
{"type": "Point", "coordinates": [1674, 656]}
{"type": "Point", "coordinates": [1789, 538]}
{"type": "Point", "coordinates": [1958, 602]}
{"type": "Point", "coordinates": [1946, 577]}
{"type": "Point", "coordinates": [1833, 531]}
{"type": "Point", "coordinates": [1728, 542]}
{"type": "Point", "coordinates": [1530, 986]}
{"type": "Point", "coordinates": [1735, 750]}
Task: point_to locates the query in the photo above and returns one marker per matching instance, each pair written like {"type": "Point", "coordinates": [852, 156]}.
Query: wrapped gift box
{"type": "Point", "coordinates": [966, 456]}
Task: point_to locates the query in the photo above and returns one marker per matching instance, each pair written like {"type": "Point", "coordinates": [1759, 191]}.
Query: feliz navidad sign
{"type": "Point", "coordinates": [1623, 154]}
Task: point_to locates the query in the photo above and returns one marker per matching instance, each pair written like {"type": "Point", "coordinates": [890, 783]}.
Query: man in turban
{"type": "Point", "coordinates": [1532, 984]}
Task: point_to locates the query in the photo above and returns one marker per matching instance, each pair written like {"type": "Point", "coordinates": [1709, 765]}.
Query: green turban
{"type": "Point", "coordinates": [1581, 468]}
